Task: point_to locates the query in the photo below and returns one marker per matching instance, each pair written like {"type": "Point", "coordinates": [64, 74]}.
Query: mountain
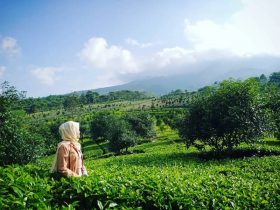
{"type": "Point", "coordinates": [199, 75]}
{"type": "Point", "coordinates": [157, 85]}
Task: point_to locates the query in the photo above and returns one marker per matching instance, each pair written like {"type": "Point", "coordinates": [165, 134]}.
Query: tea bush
{"type": "Point", "coordinates": [164, 177]}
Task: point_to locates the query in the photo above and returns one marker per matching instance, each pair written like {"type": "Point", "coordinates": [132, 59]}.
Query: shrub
{"type": "Point", "coordinates": [48, 133]}
{"type": "Point", "coordinates": [226, 117]}
{"type": "Point", "coordinates": [173, 118]}
{"type": "Point", "coordinates": [100, 128]}
{"type": "Point", "coordinates": [109, 127]}
{"type": "Point", "coordinates": [121, 137]}
{"type": "Point", "coordinates": [272, 96]}
{"type": "Point", "coordinates": [24, 191]}
{"type": "Point", "coordinates": [142, 124]}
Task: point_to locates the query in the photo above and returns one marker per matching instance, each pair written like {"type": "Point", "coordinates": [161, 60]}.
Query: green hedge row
{"type": "Point", "coordinates": [251, 184]}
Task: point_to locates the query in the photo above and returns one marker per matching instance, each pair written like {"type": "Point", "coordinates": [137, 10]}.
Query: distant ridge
{"type": "Point", "coordinates": [204, 74]}
{"type": "Point", "coordinates": [157, 85]}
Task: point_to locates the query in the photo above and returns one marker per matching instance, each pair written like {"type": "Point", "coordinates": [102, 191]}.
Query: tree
{"type": "Point", "coordinates": [71, 102]}
{"type": "Point", "coordinates": [141, 123]}
{"type": "Point", "coordinates": [17, 144]}
{"type": "Point", "coordinates": [84, 129]}
{"type": "Point", "coordinates": [49, 135]}
{"type": "Point", "coordinates": [226, 117]}
{"type": "Point", "coordinates": [91, 96]}
{"type": "Point", "coordinates": [121, 137]}
{"type": "Point", "coordinates": [101, 127]}
{"type": "Point", "coordinates": [31, 109]}
{"type": "Point", "coordinates": [263, 79]}
{"type": "Point", "coordinates": [108, 127]}
{"type": "Point", "coordinates": [274, 78]}
{"type": "Point", "coordinates": [173, 118]}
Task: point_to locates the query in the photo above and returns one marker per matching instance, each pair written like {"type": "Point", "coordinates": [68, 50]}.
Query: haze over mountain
{"type": "Point", "coordinates": [205, 73]}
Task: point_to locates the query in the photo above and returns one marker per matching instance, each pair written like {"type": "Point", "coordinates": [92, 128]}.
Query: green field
{"type": "Point", "coordinates": [163, 176]}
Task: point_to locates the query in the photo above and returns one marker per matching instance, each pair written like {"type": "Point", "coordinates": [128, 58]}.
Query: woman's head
{"type": "Point", "coordinates": [70, 131]}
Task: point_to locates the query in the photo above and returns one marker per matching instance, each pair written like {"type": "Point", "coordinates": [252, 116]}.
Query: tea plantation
{"type": "Point", "coordinates": [159, 175]}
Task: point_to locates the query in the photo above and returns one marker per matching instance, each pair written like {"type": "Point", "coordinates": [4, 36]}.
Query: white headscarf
{"type": "Point", "coordinates": [70, 131]}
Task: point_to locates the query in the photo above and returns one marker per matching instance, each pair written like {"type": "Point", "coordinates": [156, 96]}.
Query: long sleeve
{"type": "Point", "coordinates": [63, 161]}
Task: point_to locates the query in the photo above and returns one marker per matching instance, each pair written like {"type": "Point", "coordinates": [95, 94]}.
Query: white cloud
{"type": "Point", "coordinates": [9, 46]}
{"type": "Point", "coordinates": [47, 75]}
{"type": "Point", "coordinates": [99, 55]}
{"type": "Point", "coordinates": [106, 80]}
{"type": "Point", "coordinates": [252, 30]}
{"type": "Point", "coordinates": [110, 63]}
{"type": "Point", "coordinates": [172, 56]}
{"type": "Point", "coordinates": [2, 70]}
{"type": "Point", "coordinates": [136, 43]}
{"type": "Point", "coordinates": [177, 60]}
{"type": "Point", "coordinates": [111, 60]}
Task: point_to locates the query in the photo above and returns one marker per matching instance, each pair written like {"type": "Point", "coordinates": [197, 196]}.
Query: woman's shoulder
{"type": "Point", "coordinates": [63, 144]}
{"type": "Point", "coordinates": [75, 145]}
{"type": "Point", "coordinates": [69, 144]}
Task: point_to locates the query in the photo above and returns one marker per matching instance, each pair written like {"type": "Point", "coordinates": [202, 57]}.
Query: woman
{"type": "Point", "coordinates": [69, 158]}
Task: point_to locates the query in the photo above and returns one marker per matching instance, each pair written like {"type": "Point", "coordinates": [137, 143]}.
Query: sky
{"type": "Point", "coordinates": [53, 47]}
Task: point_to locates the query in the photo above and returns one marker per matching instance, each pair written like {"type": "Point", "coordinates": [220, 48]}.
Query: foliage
{"type": "Point", "coordinates": [141, 123]}
{"type": "Point", "coordinates": [126, 95]}
{"type": "Point", "coordinates": [272, 102]}
{"type": "Point", "coordinates": [121, 136]}
{"type": "Point", "coordinates": [71, 102]}
{"type": "Point", "coordinates": [84, 129]}
{"type": "Point", "coordinates": [101, 128]}
{"type": "Point", "coordinates": [50, 136]}
{"type": "Point", "coordinates": [274, 78]}
{"type": "Point", "coordinates": [164, 177]}
{"type": "Point", "coordinates": [173, 118]}
{"type": "Point", "coordinates": [228, 116]}
{"type": "Point", "coordinates": [114, 129]}
{"type": "Point", "coordinates": [89, 97]}
{"type": "Point", "coordinates": [33, 105]}
{"type": "Point", "coordinates": [17, 144]}
{"type": "Point", "coordinates": [30, 109]}
{"type": "Point", "coordinates": [17, 194]}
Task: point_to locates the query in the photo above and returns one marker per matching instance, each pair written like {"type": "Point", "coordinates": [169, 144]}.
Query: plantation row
{"type": "Point", "coordinates": [163, 177]}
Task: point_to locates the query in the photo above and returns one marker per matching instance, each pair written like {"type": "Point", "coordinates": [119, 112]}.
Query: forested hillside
{"type": "Point", "coordinates": [32, 105]}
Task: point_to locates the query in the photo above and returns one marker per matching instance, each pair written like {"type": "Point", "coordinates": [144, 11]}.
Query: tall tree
{"type": "Point", "coordinates": [17, 144]}
{"type": "Point", "coordinates": [71, 102]}
{"type": "Point", "coordinates": [91, 97]}
{"type": "Point", "coordinates": [274, 78]}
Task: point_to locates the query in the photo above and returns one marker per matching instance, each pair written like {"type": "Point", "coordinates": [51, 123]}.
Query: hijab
{"type": "Point", "coordinates": [70, 131]}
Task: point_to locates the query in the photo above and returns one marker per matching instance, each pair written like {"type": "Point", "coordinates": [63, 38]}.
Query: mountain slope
{"type": "Point", "coordinates": [200, 75]}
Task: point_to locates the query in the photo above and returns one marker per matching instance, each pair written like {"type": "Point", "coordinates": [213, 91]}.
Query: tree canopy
{"type": "Point", "coordinates": [226, 117]}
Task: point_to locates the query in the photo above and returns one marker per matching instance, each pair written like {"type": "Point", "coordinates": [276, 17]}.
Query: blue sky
{"type": "Point", "coordinates": [53, 47]}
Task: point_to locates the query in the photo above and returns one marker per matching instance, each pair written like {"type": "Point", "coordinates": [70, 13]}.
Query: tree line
{"type": "Point", "coordinates": [68, 101]}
